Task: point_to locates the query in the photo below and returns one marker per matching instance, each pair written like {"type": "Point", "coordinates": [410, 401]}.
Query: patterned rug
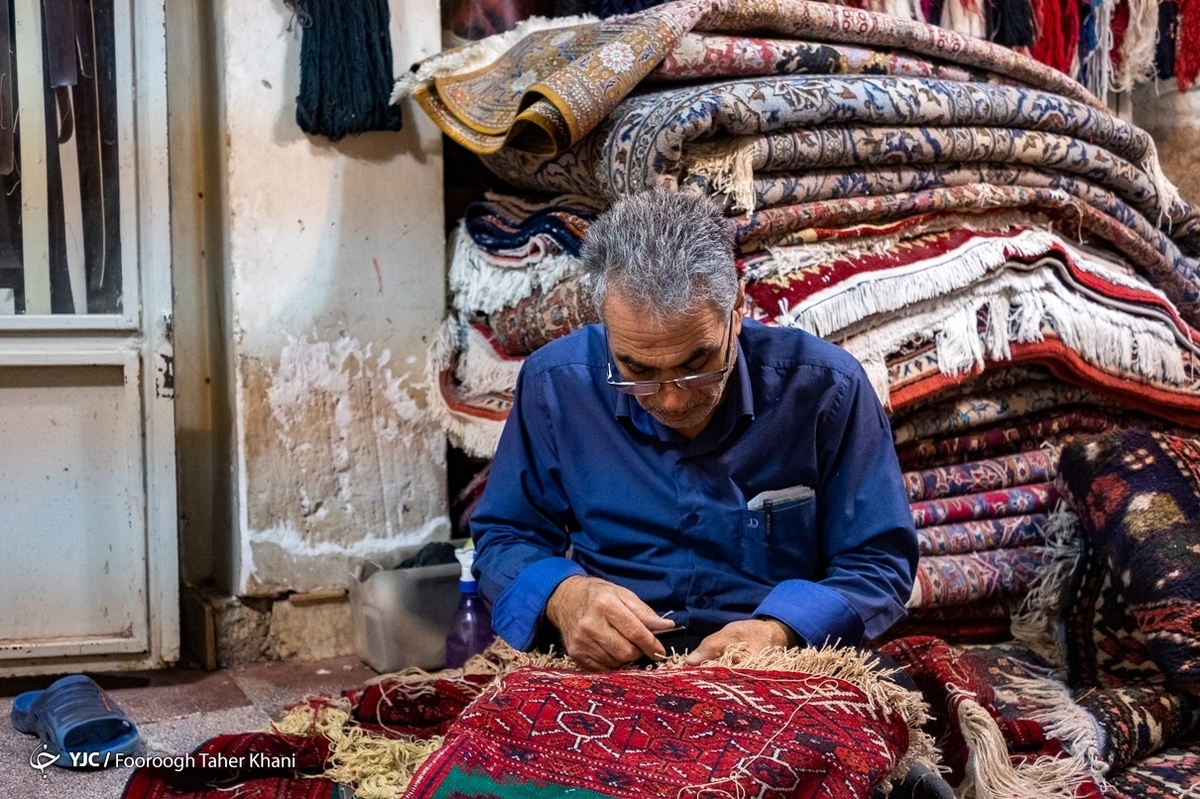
{"type": "Point", "coordinates": [983, 535]}
{"type": "Point", "coordinates": [1174, 771]}
{"type": "Point", "coordinates": [803, 722]}
{"type": "Point", "coordinates": [1021, 435]}
{"type": "Point", "coordinates": [1138, 494]}
{"type": "Point", "coordinates": [505, 223]}
{"type": "Point", "coordinates": [988, 752]}
{"type": "Point", "coordinates": [986, 475]}
{"type": "Point", "coordinates": [779, 161]}
{"type": "Point", "coordinates": [983, 405]}
{"type": "Point", "coordinates": [954, 580]}
{"type": "Point", "coordinates": [705, 56]}
{"type": "Point", "coordinates": [541, 317]}
{"type": "Point", "coordinates": [255, 782]}
{"type": "Point", "coordinates": [1110, 729]}
{"type": "Point", "coordinates": [847, 179]}
{"type": "Point", "coordinates": [662, 733]}
{"type": "Point", "coordinates": [1015, 501]}
{"type": "Point", "coordinates": [546, 89]}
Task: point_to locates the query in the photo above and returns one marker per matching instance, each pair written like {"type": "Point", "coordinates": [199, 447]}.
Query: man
{"type": "Point", "coordinates": [677, 465]}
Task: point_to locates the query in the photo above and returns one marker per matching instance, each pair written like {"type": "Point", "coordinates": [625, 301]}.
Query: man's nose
{"type": "Point", "coordinates": [672, 397]}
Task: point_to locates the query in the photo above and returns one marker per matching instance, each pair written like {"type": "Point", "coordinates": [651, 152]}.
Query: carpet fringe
{"type": "Point", "coordinates": [482, 285]}
{"type": "Point", "coordinates": [1037, 623]}
{"type": "Point", "coordinates": [378, 767]}
{"type": "Point", "coordinates": [990, 773]}
{"type": "Point", "coordinates": [477, 55]}
{"type": "Point", "coordinates": [381, 768]}
{"type": "Point", "coordinates": [476, 436]}
{"type": "Point", "coordinates": [1171, 205]}
{"type": "Point", "coordinates": [481, 369]}
{"type": "Point", "coordinates": [1051, 705]}
{"type": "Point", "coordinates": [826, 312]}
{"type": "Point", "coordinates": [728, 164]}
{"type": "Point", "coordinates": [1018, 303]}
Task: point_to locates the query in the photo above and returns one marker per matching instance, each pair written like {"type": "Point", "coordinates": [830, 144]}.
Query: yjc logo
{"type": "Point", "coordinates": [42, 758]}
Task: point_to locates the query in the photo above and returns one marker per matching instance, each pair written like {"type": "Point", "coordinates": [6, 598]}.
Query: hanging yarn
{"type": "Point", "coordinates": [1120, 25]}
{"type": "Point", "coordinates": [1058, 41]}
{"type": "Point", "coordinates": [1011, 22]}
{"type": "Point", "coordinates": [965, 17]}
{"type": "Point", "coordinates": [1187, 44]}
{"type": "Point", "coordinates": [345, 67]}
{"type": "Point", "coordinates": [1168, 26]}
{"type": "Point", "coordinates": [1136, 50]}
{"type": "Point", "coordinates": [931, 10]}
{"type": "Point", "coordinates": [1095, 44]}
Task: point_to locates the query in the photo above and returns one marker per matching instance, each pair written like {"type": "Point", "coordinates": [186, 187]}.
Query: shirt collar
{"type": "Point", "coordinates": [738, 404]}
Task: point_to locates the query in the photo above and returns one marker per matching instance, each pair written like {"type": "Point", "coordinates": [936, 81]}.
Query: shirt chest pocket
{"type": "Point", "coordinates": [780, 541]}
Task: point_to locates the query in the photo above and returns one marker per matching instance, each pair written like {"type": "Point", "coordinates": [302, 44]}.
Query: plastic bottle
{"type": "Point", "coordinates": [471, 631]}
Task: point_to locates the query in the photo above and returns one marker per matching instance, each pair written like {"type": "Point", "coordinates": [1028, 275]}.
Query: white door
{"type": "Point", "coordinates": [88, 563]}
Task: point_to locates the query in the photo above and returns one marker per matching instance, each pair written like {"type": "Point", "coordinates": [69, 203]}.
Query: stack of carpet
{"type": "Point", "coordinates": [1001, 253]}
{"type": "Point", "coordinates": [986, 531]}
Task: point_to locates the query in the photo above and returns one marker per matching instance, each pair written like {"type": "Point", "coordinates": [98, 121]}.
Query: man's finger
{"type": "Point", "coordinates": [710, 648]}
{"type": "Point", "coordinates": [617, 648]}
{"type": "Point", "coordinates": [644, 613]}
{"type": "Point", "coordinates": [634, 631]}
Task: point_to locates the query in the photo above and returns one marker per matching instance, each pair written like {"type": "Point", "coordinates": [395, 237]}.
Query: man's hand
{"type": "Point", "coordinates": [603, 625]}
{"type": "Point", "coordinates": [753, 635]}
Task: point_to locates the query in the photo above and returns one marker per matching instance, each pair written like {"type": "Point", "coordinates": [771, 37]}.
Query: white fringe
{"type": "Point", "coordinates": [1137, 50]}
{"type": "Point", "coordinates": [475, 436]}
{"type": "Point", "coordinates": [991, 775]}
{"type": "Point", "coordinates": [482, 285]}
{"type": "Point", "coordinates": [728, 163]}
{"type": "Point", "coordinates": [826, 312]}
{"type": "Point", "coordinates": [477, 55]}
{"type": "Point", "coordinates": [959, 19]}
{"type": "Point", "coordinates": [1038, 622]}
{"type": "Point", "coordinates": [481, 369]}
{"type": "Point", "coordinates": [1170, 202]}
{"type": "Point", "coordinates": [1049, 702]}
{"type": "Point", "coordinates": [1106, 338]}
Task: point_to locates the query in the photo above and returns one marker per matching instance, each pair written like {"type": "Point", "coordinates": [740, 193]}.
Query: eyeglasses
{"type": "Point", "coordinates": [644, 388]}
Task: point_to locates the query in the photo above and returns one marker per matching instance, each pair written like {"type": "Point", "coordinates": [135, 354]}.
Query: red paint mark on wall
{"type": "Point", "coordinates": [378, 274]}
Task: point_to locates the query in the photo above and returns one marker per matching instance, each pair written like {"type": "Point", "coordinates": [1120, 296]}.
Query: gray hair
{"type": "Point", "coordinates": [666, 252]}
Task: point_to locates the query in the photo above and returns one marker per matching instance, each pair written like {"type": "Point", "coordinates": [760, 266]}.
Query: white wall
{"type": "Point", "coordinates": [335, 279]}
{"type": "Point", "coordinates": [1173, 119]}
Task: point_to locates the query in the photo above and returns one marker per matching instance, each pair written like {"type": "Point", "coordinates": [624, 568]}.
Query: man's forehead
{"type": "Point", "coordinates": [625, 318]}
{"type": "Point", "coordinates": [644, 340]}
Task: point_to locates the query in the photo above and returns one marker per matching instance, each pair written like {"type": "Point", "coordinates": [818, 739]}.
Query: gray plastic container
{"type": "Point", "coordinates": [401, 616]}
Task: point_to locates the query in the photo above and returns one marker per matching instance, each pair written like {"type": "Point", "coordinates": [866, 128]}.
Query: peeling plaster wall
{"type": "Point", "coordinates": [1173, 119]}
{"type": "Point", "coordinates": [336, 279]}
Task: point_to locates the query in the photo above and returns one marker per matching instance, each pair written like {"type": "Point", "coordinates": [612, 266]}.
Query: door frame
{"type": "Point", "coordinates": [139, 339]}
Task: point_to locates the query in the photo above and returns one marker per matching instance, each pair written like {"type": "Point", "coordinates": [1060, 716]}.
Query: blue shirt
{"type": "Point", "coordinates": [587, 482]}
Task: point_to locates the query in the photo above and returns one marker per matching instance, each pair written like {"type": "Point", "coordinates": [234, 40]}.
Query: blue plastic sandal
{"type": "Point", "coordinates": [75, 715]}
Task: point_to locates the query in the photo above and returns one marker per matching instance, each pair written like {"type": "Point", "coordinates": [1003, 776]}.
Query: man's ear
{"type": "Point", "coordinates": [740, 307]}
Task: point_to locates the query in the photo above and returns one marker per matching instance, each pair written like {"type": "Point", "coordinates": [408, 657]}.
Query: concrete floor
{"type": "Point", "coordinates": [175, 711]}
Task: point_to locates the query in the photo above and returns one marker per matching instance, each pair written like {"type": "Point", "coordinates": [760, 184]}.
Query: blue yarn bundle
{"type": "Point", "coordinates": [345, 68]}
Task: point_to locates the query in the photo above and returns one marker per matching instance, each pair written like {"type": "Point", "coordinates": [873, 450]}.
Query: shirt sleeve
{"type": "Point", "coordinates": [867, 538]}
{"type": "Point", "coordinates": [520, 525]}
